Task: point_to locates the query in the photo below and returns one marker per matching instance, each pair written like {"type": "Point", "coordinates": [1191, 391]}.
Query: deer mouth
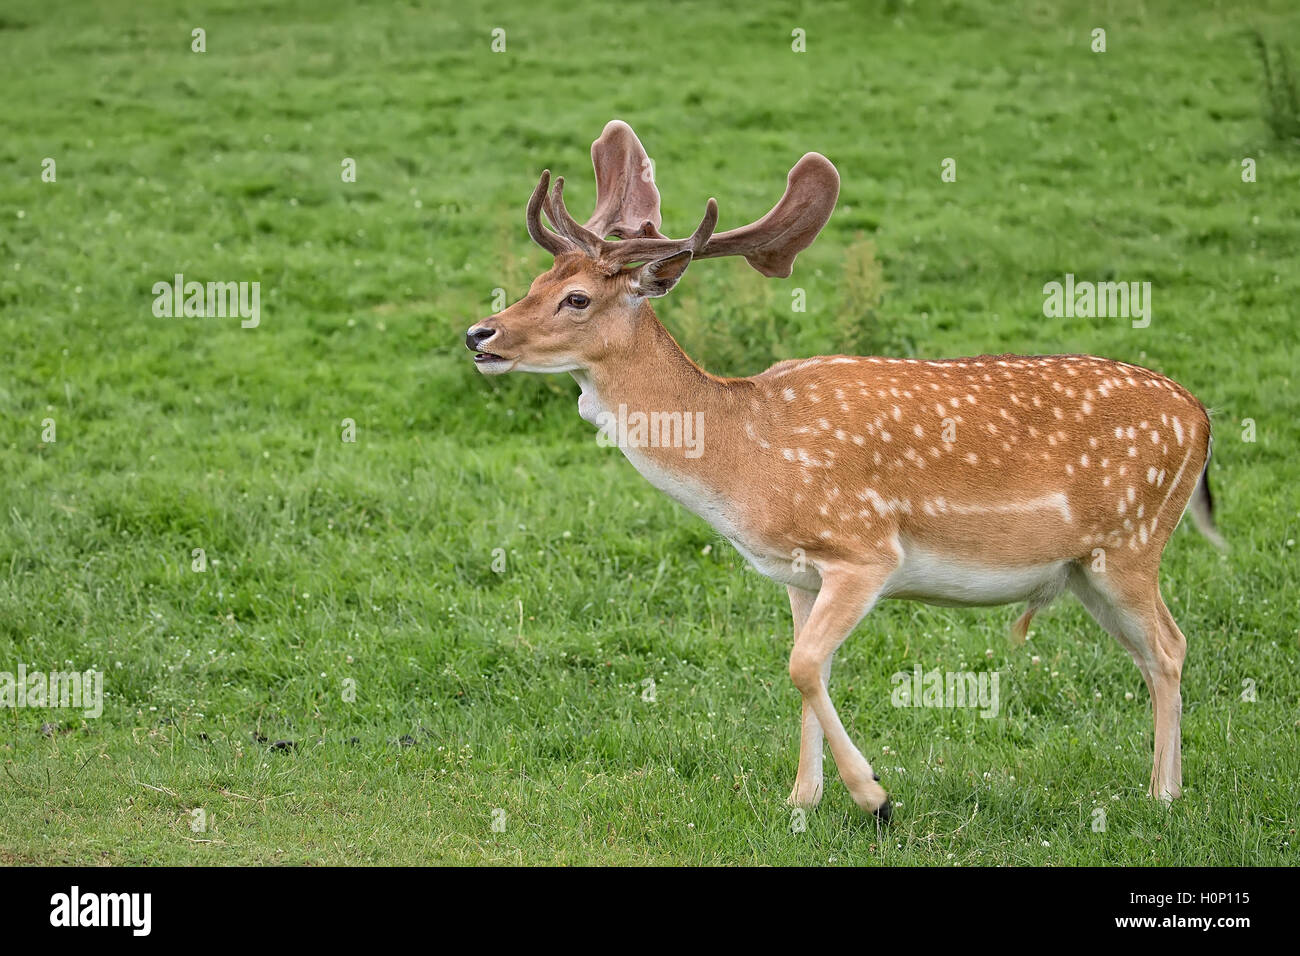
{"type": "Point", "coordinates": [489, 363]}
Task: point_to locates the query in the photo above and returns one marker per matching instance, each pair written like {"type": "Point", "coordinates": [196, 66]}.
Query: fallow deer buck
{"type": "Point", "coordinates": [972, 481]}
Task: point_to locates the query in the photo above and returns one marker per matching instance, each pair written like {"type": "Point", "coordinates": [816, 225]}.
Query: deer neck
{"type": "Point", "coordinates": [650, 374]}
{"type": "Point", "coordinates": [664, 412]}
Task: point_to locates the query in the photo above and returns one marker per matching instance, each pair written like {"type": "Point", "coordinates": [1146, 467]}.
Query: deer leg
{"type": "Point", "coordinates": [1167, 774]}
{"type": "Point", "coordinates": [807, 790]}
{"type": "Point", "coordinates": [1136, 616]}
{"type": "Point", "coordinates": [847, 593]}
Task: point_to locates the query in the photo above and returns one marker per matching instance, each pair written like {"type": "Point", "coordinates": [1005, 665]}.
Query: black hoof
{"type": "Point", "coordinates": [885, 811]}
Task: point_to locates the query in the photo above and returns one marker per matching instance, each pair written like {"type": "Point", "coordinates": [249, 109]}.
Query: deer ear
{"type": "Point", "coordinates": [658, 277]}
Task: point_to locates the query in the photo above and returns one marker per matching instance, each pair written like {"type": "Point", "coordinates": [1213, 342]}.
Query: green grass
{"type": "Point", "coordinates": [522, 690]}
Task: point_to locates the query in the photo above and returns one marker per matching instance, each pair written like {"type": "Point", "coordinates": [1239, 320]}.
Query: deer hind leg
{"type": "Point", "coordinates": [847, 593]}
{"type": "Point", "coordinates": [1169, 758]}
{"type": "Point", "coordinates": [807, 790]}
{"type": "Point", "coordinates": [1127, 604]}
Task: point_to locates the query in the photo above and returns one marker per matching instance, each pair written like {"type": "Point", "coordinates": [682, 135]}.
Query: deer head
{"type": "Point", "coordinates": [592, 300]}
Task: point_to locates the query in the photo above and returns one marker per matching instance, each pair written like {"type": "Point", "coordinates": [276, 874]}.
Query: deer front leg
{"type": "Point", "coordinates": [847, 593]}
{"type": "Point", "coordinates": [807, 790]}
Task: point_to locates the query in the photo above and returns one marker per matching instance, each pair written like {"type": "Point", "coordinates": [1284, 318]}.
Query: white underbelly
{"type": "Point", "coordinates": [938, 579]}
{"type": "Point", "coordinates": [922, 575]}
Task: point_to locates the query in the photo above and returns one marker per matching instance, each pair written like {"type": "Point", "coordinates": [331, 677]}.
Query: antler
{"type": "Point", "coordinates": [647, 244]}
{"type": "Point", "coordinates": [627, 200]}
{"type": "Point", "coordinates": [548, 240]}
{"type": "Point", "coordinates": [627, 206]}
{"type": "Point", "coordinates": [771, 244]}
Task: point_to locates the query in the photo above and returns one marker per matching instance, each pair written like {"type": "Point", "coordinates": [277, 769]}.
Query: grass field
{"type": "Point", "coordinates": [523, 690]}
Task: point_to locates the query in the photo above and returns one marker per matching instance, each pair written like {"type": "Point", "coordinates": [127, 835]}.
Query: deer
{"type": "Point", "coordinates": [980, 481]}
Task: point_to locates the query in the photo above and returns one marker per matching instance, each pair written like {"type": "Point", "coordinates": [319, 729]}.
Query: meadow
{"type": "Point", "coordinates": [475, 615]}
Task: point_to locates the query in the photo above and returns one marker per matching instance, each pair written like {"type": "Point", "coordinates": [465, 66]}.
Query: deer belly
{"type": "Point", "coordinates": [934, 578]}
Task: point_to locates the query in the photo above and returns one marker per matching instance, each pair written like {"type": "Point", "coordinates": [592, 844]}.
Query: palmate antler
{"type": "Point", "coordinates": [627, 206]}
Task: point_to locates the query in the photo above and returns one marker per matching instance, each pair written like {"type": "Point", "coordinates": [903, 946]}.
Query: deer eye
{"type": "Point", "coordinates": [577, 300]}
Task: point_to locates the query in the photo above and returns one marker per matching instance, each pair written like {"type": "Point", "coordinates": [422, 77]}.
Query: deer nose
{"type": "Point", "coordinates": [476, 336]}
